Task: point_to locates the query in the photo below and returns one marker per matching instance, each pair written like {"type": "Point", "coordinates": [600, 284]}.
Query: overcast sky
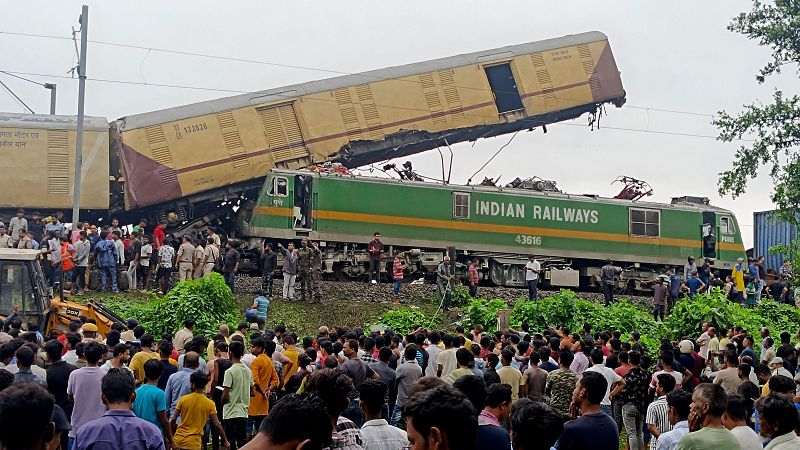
{"type": "Point", "coordinates": [675, 56]}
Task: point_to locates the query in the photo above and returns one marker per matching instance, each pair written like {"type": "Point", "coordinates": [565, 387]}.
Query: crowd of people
{"type": "Point", "coordinates": [747, 284]}
{"type": "Point", "coordinates": [378, 390]}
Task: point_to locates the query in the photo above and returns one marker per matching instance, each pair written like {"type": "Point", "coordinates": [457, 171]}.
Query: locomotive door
{"type": "Point", "coordinates": [709, 235]}
{"type": "Point", "coordinates": [302, 202]}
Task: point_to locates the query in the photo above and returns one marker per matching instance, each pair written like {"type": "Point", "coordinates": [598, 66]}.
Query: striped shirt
{"type": "Point", "coordinates": [657, 415]}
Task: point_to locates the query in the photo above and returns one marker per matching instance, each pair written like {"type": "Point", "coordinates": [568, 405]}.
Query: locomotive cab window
{"type": "Point", "coordinates": [279, 187]}
{"type": "Point", "coordinates": [460, 205]}
{"type": "Point", "coordinates": [645, 222]}
{"type": "Point", "coordinates": [726, 225]}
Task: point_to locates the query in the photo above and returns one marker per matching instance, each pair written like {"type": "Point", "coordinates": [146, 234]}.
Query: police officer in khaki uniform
{"type": "Point", "coordinates": [185, 258]}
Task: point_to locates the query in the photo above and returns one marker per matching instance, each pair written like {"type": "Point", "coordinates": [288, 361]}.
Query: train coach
{"type": "Point", "coordinates": [39, 163]}
{"type": "Point", "coordinates": [572, 235]}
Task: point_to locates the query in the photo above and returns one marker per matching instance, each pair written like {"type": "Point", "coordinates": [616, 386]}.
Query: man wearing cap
{"type": "Point", "coordinates": [5, 239]}
{"type": "Point", "coordinates": [89, 331]}
{"type": "Point", "coordinates": [776, 367]}
{"type": "Point", "coordinates": [17, 224]}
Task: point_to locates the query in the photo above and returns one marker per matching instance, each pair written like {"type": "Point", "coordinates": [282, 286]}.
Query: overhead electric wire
{"type": "Point", "coordinates": [17, 97]}
{"type": "Point", "coordinates": [293, 66]}
{"type": "Point", "coordinates": [23, 78]}
{"type": "Point", "coordinates": [493, 156]}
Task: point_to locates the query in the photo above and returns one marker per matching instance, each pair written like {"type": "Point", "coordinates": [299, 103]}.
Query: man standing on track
{"type": "Point", "coordinates": [375, 250]}
{"type": "Point", "coordinates": [269, 261]}
{"type": "Point", "coordinates": [309, 258]}
{"type": "Point", "coordinates": [607, 274]}
{"type": "Point", "coordinates": [210, 256]}
{"type": "Point", "coordinates": [185, 257]}
{"type": "Point", "coordinates": [532, 269]}
{"type": "Point", "coordinates": [444, 276]}
{"type": "Point", "coordinates": [289, 270]}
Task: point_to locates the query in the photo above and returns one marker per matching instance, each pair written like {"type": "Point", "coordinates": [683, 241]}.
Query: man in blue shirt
{"type": "Point", "coordinates": [261, 305]}
{"type": "Point", "coordinates": [151, 402]}
{"type": "Point", "coordinates": [674, 288]}
{"type": "Point", "coordinates": [694, 284]}
{"type": "Point", "coordinates": [178, 383]}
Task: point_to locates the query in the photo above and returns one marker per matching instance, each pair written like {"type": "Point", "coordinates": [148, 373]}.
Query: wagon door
{"type": "Point", "coordinates": [302, 202]}
{"type": "Point", "coordinates": [708, 234]}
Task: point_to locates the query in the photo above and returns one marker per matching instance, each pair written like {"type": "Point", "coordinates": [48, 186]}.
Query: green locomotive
{"type": "Point", "coordinates": [571, 235]}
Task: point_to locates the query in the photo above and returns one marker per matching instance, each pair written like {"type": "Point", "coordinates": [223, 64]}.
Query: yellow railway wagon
{"type": "Point", "coordinates": [363, 118]}
{"type": "Point", "coordinates": [38, 154]}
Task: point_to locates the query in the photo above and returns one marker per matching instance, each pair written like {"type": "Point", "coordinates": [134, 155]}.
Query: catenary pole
{"type": "Point", "coordinates": [76, 190]}
{"type": "Point", "coordinates": [52, 88]}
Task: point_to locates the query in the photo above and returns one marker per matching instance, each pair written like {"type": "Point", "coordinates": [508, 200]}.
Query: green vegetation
{"type": "Point", "coordinates": [771, 127]}
{"type": "Point", "coordinates": [566, 309]}
{"type": "Point", "coordinates": [207, 300]}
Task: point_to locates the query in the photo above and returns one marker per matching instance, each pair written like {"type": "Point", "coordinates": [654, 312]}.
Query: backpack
{"type": "Point", "coordinates": [217, 259]}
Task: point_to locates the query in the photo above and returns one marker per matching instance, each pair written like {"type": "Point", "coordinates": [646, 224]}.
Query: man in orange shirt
{"type": "Point", "coordinates": [67, 263]}
{"type": "Point", "coordinates": [264, 379]}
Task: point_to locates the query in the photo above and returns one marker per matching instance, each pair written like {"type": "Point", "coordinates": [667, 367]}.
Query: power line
{"type": "Point", "coordinates": [139, 83]}
{"type": "Point", "coordinates": [17, 97]}
{"type": "Point", "coordinates": [23, 78]}
{"type": "Point", "coordinates": [309, 68]}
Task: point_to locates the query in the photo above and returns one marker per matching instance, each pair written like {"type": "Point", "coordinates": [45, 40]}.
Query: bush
{"type": "Point", "coordinates": [483, 312]}
{"type": "Point", "coordinates": [208, 300]}
{"type": "Point", "coordinates": [402, 321]}
{"type": "Point", "coordinates": [686, 319]}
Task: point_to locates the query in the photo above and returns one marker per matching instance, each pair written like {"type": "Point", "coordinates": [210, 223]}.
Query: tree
{"type": "Point", "coordinates": [776, 126]}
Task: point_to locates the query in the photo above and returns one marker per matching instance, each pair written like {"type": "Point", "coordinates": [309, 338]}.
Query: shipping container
{"type": "Point", "coordinates": [769, 231]}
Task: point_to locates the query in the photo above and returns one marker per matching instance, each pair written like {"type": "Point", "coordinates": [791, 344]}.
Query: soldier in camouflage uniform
{"type": "Point", "coordinates": [309, 259]}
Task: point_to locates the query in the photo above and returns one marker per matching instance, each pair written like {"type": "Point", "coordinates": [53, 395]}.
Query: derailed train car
{"type": "Point", "coordinates": [176, 156]}
{"type": "Point", "coordinates": [572, 235]}
{"type": "Point", "coordinates": [38, 154]}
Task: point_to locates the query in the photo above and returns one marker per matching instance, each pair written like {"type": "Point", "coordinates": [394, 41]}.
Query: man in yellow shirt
{"type": "Point", "coordinates": [195, 410]}
{"type": "Point", "coordinates": [738, 277]}
{"type": "Point", "coordinates": [146, 354]}
{"type": "Point", "coordinates": [292, 353]}
{"type": "Point", "coordinates": [265, 379]}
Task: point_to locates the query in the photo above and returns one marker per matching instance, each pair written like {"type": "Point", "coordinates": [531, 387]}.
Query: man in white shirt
{"type": "Point", "coordinates": [532, 269]}
{"type": "Point", "coordinates": [702, 341]}
{"type": "Point", "coordinates": [377, 433]}
{"type": "Point", "coordinates": [615, 382]}
{"type": "Point", "coordinates": [735, 419]}
{"type": "Point", "coordinates": [446, 360]}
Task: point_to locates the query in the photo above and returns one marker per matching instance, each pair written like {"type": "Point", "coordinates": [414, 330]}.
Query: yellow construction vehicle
{"type": "Point", "coordinates": [25, 292]}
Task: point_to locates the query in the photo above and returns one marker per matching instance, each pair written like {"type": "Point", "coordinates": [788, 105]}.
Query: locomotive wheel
{"type": "Point", "coordinates": [346, 272]}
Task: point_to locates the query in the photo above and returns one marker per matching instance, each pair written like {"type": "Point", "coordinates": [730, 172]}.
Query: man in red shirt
{"type": "Point", "coordinates": [67, 263]}
{"type": "Point", "coordinates": [159, 235]}
{"type": "Point", "coordinates": [473, 278]}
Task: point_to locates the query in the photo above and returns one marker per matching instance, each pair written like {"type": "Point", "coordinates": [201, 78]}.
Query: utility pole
{"type": "Point", "coordinates": [76, 189]}
{"type": "Point", "coordinates": [52, 88]}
